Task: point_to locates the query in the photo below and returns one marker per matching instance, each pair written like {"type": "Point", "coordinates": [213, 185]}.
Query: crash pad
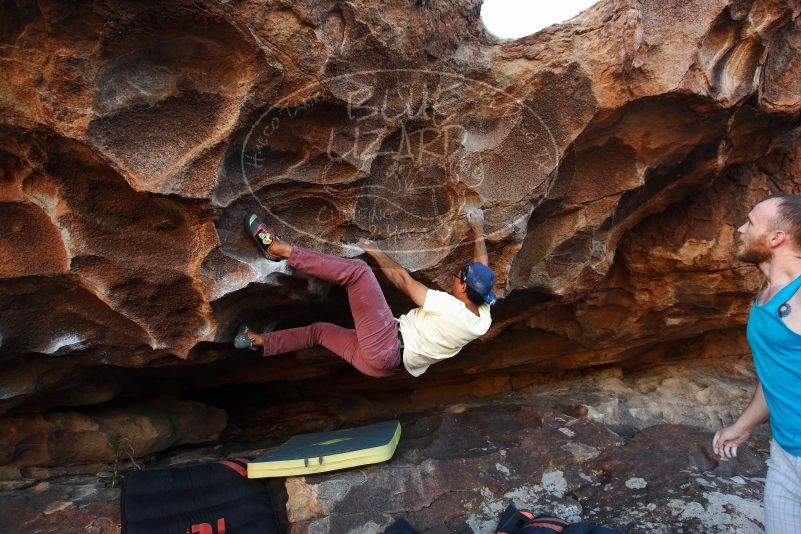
{"type": "Point", "coordinates": [327, 451]}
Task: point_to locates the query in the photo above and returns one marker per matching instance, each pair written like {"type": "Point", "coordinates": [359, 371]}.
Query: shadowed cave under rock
{"type": "Point", "coordinates": [614, 156]}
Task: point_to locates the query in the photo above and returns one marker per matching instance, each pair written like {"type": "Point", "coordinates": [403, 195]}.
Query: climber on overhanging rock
{"type": "Point", "coordinates": [771, 239]}
{"type": "Point", "coordinates": [380, 345]}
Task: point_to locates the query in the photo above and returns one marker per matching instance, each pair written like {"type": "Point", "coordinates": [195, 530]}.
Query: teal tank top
{"type": "Point", "coordinates": [777, 358]}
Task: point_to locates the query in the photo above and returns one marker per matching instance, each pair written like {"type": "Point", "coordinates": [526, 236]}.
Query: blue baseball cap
{"type": "Point", "coordinates": [481, 279]}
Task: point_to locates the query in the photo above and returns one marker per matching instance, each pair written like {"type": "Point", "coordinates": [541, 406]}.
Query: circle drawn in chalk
{"type": "Point", "coordinates": [386, 146]}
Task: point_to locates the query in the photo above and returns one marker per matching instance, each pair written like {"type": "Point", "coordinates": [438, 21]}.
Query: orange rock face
{"type": "Point", "coordinates": [614, 157]}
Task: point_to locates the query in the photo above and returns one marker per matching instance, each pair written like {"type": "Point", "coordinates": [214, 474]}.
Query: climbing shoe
{"type": "Point", "coordinates": [263, 235]}
{"type": "Point", "coordinates": [242, 340]}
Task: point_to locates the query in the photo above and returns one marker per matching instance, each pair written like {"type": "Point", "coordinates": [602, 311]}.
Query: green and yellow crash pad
{"type": "Point", "coordinates": [328, 451]}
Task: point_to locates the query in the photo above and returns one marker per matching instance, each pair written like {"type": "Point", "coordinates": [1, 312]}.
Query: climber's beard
{"type": "Point", "coordinates": [754, 250]}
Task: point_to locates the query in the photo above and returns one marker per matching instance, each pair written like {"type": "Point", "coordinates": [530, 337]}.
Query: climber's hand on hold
{"type": "Point", "coordinates": [367, 245]}
{"type": "Point", "coordinates": [475, 218]}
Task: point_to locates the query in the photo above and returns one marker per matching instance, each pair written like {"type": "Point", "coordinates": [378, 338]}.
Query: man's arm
{"type": "Point", "coordinates": [475, 219]}
{"type": "Point", "coordinates": [397, 275]}
{"type": "Point", "coordinates": [728, 439]}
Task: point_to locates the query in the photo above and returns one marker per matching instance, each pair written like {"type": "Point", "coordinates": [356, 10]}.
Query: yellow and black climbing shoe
{"type": "Point", "coordinates": [263, 235]}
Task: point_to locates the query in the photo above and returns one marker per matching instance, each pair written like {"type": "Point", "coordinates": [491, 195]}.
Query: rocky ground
{"type": "Point", "coordinates": [628, 450]}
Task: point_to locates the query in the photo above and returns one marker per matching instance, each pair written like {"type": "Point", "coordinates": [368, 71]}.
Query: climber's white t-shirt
{"type": "Point", "coordinates": [439, 329]}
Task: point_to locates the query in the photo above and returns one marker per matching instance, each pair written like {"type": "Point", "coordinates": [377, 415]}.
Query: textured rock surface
{"type": "Point", "coordinates": [104, 435]}
{"type": "Point", "coordinates": [76, 503]}
{"type": "Point", "coordinates": [590, 476]}
{"type": "Point", "coordinates": [621, 450]}
{"type": "Point", "coordinates": [630, 449]}
{"type": "Point", "coordinates": [614, 156]}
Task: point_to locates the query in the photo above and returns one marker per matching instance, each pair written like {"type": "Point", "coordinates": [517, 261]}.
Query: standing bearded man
{"type": "Point", "coordinates": [771, 239]}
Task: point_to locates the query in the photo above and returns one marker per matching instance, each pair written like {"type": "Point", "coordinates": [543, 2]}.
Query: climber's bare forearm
{"type": "Point", "coordinates": [480, 247]}
{"type": "Point", "coordinates": [391, 269]}
{"type": "Point", "coordinates": [400, 277]}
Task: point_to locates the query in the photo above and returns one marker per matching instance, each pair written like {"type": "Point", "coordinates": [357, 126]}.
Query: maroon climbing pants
{"type": "Point", "coordinates": [373, 346]}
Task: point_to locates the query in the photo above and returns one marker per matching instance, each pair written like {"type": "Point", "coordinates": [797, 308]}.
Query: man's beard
{"type": "Point", "coordinates": [755, 252]}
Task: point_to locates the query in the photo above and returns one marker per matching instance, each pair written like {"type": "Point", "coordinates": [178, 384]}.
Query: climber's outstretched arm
{"type": "Point", "coordinates": [396, 274]}
{"type": "Point", "coordinates": [475, 218]}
